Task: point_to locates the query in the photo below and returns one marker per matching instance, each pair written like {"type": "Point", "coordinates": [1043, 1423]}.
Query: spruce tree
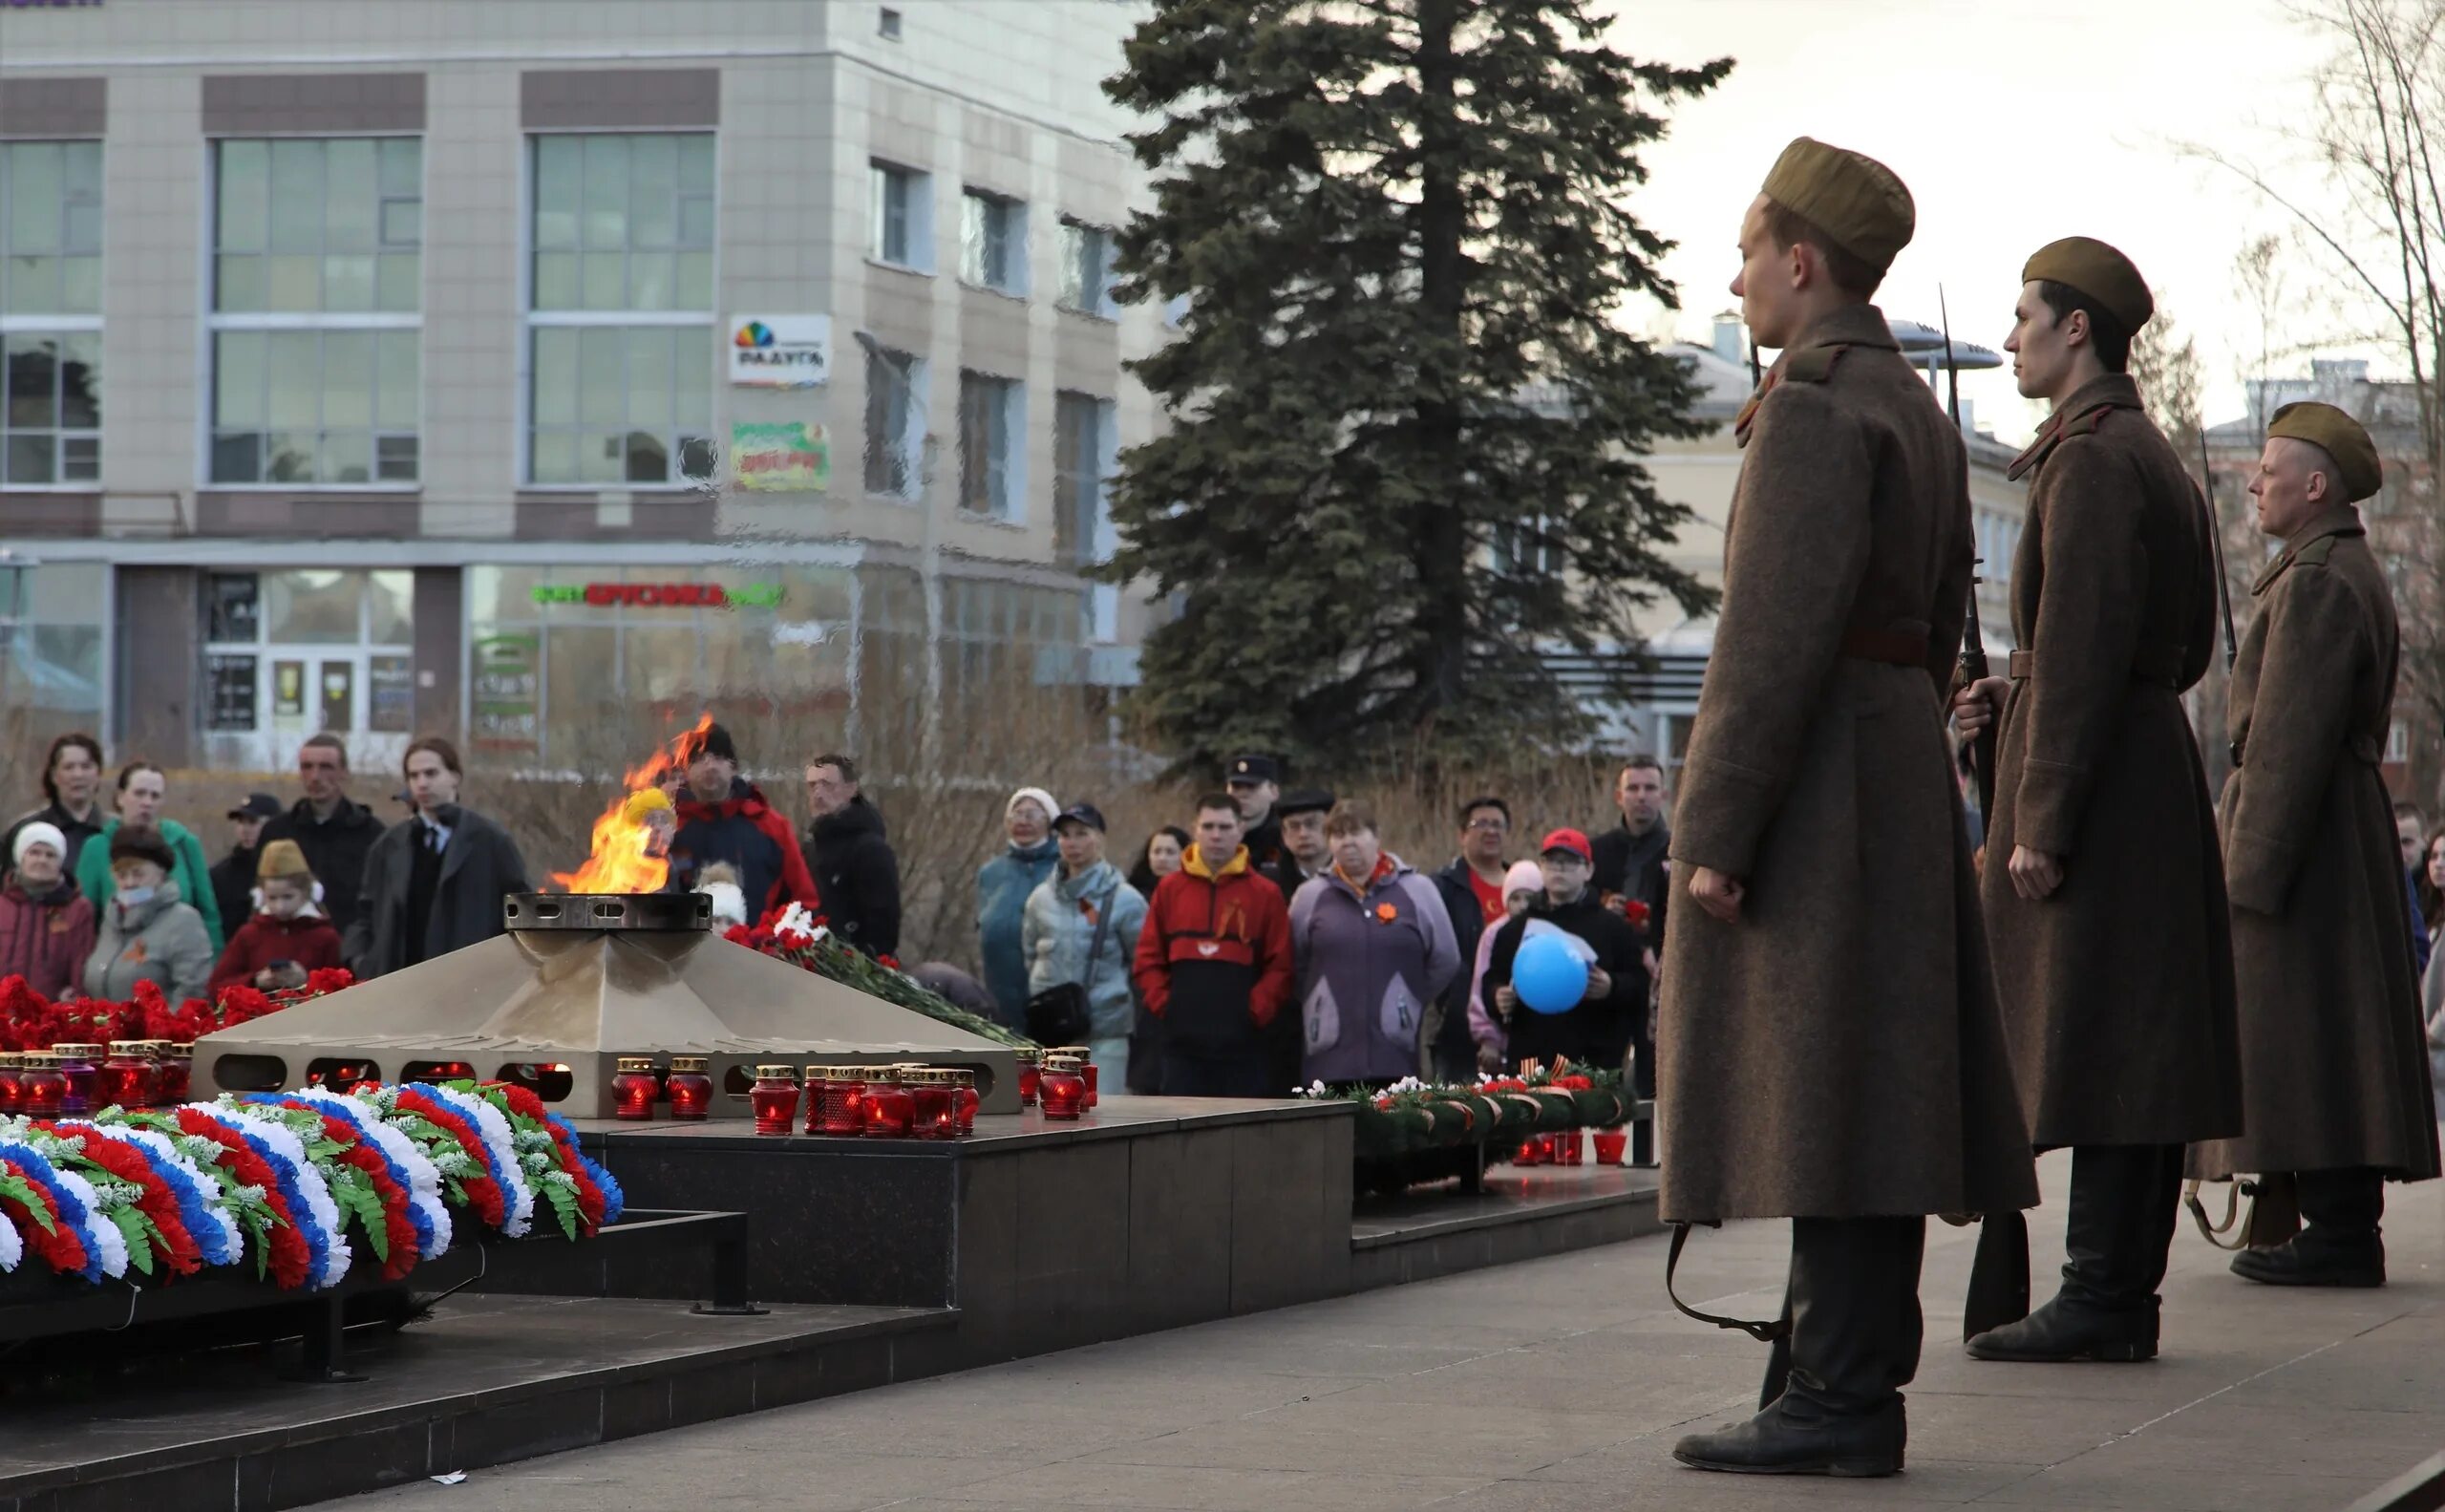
{"type": "Point", "coordinates": [1401, 460]}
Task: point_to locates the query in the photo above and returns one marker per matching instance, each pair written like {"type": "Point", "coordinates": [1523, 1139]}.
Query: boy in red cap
{"type": "Point", "coordinates": [1597, 1031]}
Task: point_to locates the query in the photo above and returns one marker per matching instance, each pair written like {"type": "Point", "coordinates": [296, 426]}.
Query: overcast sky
{"type": "Point", "coordinates": [2013, 123]}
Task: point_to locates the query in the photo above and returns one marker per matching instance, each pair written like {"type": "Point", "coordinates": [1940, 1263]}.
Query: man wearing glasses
{"type": "Point", "coordinates": [1471, 890]}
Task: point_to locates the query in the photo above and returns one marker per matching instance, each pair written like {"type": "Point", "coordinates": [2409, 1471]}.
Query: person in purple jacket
{"type": "Point", "coordinates": [1373, 946]}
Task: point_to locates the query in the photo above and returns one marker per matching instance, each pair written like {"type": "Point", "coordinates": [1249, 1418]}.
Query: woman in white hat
{"type": "Point", "coordinates": [46, 920]}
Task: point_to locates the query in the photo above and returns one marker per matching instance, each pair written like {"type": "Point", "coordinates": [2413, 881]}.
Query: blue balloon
{"type": "Point", "coordinates": [1548, 974]}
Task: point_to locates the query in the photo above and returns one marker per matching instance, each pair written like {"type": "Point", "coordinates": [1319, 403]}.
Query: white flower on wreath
{"type": "Point", "coordinates": [799, 919]}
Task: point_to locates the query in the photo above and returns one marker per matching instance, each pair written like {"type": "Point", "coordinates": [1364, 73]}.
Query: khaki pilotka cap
{"type": "Point", "coordinates": [2341, 437]}
{"type": "Point", "coordinates": [2098, 271]}
{"type": "Point", "coordinates": [1859, 202]}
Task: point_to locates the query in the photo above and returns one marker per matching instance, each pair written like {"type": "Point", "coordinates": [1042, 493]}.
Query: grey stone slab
{"type": "Point", "coordinates": [1277, 1194]}
{"type": "Point", "coordinates": [1070, 1264]}
{"type": "Point", "coordinates": [1179, 1234]}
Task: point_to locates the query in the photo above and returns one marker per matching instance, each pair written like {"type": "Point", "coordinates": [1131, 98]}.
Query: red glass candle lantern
{"type": "Point", "coordinates": [635, 1089]}
{"type": "Point", "coordinates": [889, 1108]}
{"type": "Point", "coordinates": [837, 1100]}
{"type": "Point", "coordinates": [1609, 1145]}
{"type": "Point", "coordinates": [12, 1090]}
{"type": "Point", "coordinates": [82, 1066]}
{"type": "Point", "coordinates": [1570, 1147]}
{"type": "Point", "coordinates": [774, 1097]}
{"type": "Point", "coordinates": [691, 1087]}
{"type": "Point", "coordinates": [1063, 1087]}
{"type": "Point", "coordinates": [126, 1078]}
{"type": "Point", "coordinates": [1030, 1074]}
{"type": "Point", "coordinates": [43, 1090]}
{"type": "Point", "coordinates": [1085, 1057]}
{"type": "Point", "coordinates": [177, 1072]}
{"type": "Point", "coordinates": [965, 1101]}
{"type": "Point", "coordinates": [1532, 1152]}
{"type": "Point", "coordinates": [934, 1113]}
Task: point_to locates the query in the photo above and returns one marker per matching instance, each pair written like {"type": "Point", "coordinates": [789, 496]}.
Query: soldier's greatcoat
{"type": "Point", "coordinates": [1836, 1052]}
{"type": "Point", "coordinates": [2118, 987]}
{"type": "Point", "coordinates": [2334, 1063]}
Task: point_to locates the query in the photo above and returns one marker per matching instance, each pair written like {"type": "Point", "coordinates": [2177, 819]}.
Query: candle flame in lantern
{"type": "Point", "coordinates": [622, 859]}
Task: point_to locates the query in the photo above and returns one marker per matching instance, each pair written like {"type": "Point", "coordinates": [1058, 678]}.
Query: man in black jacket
{"type": "Point", "coordinates": [336, 833]}
{"type": "Point", "coordinates": [1596, 1032]}
{"type": "Point", "coordinates": [1630, 869]}
{"type": "Point", "coordinates": [857, 877]}
{"type": "Point", "coordinates": [1255, 785]}
{"type": "Point", "coordinates": [233, 876]}
{"type": "Point", "coordinates": [433, 883]}
{"type": "Point", "coordinates": [1471, 889]}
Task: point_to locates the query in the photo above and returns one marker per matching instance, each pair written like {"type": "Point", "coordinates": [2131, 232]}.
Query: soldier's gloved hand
{"type": "Point", "coordinates": [1978, 705]}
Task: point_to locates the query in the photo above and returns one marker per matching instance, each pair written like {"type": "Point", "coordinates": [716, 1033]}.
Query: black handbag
{"type": "Point", "coordinates": [1059, 1014]}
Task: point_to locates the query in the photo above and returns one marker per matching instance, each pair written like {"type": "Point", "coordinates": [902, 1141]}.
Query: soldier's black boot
{"type": "Point", "coordinates": [2117, 1231]}
{"type": "Point", "coordinates": [1855, 1343]}
{"type": "Point", "coordinates": [2339, 1245]}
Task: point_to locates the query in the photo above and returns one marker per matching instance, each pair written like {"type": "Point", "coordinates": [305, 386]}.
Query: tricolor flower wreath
{"type": "Point", "coordinates": [1413, 1116]}
{"type": "Point", "coordinates": [297, 1184]}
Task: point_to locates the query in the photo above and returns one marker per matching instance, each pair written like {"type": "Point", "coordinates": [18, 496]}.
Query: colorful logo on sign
{"type": "Point", "coordinates": [781, 352]}
{"type": "Point", "coordinates": [755, 333]}
{"type": "Point", "coordinates": [791, 456]}
{"type": "Point", "coordinates": [663, 595]}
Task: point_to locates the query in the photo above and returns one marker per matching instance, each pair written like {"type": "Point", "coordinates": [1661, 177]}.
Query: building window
{"type": "Point", "coordinates": [895, 427]}
{"type": "Point", "coordinates": [1085, 450]}
{"type": "Point", "coordinates": [317, 283]}
{"type": "Point", "coordinates": [992, 242]}
{"type": "Point", "coordinates": [50, 300]}
{"type": "Point", "coordinates": [1086, 269]}
{"type": "Point", "coordinates": [290, 652]}
{"type": "Point", "coordinates": [51, 408]}
{"type": "Point", "coordinates": [314, 407]}
{"type": "Point", "coordinates": [888, 25]}
{"type": "Point", "coordinates": [989, 424]}
{"type": "Point", "coordinates": [620, 310]}
{"type": "Point", "coordinates": [903, 224]}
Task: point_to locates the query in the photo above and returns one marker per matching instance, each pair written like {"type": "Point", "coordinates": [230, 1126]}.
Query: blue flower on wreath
{"type": "Point", "coordinates": [614, 1200]}
{"type": "Point", "coordinates": [72, 1209]}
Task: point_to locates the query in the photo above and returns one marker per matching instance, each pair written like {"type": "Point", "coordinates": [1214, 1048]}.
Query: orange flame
{"type": "Point", "coordinates": [625, 856]}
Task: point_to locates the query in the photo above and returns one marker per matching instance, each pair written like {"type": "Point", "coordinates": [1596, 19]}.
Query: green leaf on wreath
{"type": "Point", "coordinates": [134, 1224]}
{"type": "Point", "coordinates": [564, 1202]}
{"type": "Point", "coordinates": [23, 1191]}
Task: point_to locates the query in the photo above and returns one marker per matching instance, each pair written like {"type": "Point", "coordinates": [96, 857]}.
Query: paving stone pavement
{"type": "Point", "coordinates": [1558, 1384]}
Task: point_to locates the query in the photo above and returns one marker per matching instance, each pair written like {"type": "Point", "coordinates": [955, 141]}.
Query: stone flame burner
{"type": "Point", "coordinates": [579, 980]}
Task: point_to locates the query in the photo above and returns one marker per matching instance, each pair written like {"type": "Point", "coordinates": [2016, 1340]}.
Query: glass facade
{"type": "Point", "coordinates": [50, 407]}
{"type": "Point", "coordinates": [54, 665]}
{"type": "Point", "coordinates": [292, 652]}
{"type": "Point", "coordinates": [51, 227]}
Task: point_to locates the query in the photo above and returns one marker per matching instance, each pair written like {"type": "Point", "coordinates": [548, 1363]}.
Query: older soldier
{"type": "Point", "coordinates": [1830, 1046]}
{"type": "Point", "coordinates": [2333, 1064]}
{"type": "Point", "coordinates": [2103, 891]}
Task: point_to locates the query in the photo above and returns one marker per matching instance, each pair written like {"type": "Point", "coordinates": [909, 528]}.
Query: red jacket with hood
{"type": "Point", "coordinates": [750, 833]}
{"type": "Point", "coordinates": [1214, 957]}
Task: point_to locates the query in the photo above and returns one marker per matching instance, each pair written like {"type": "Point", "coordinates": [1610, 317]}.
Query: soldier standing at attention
{"type": "Point", "coordinates": [2334, 1063]}
{"type": "Point", "coordinates": [1830, 1046]}
{"type": "Point", "coordinates": [2103, 891]}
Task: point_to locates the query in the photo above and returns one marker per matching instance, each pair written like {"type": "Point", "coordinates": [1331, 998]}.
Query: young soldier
{"type": "Point", "coordinates": [1831, 1051]}
{"type": "Point", "coordinates": [2334, 1066]}
{"type": "Point", "coordinates": [2104, 896]}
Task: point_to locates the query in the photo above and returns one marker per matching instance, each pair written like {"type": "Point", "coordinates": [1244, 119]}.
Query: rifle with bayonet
{"type": "Point", "coordinates": [1999, 1273]}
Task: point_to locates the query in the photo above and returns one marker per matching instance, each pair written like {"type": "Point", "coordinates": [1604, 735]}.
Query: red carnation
{"type": "Point", "coordinates": [735, 934]}
{"type": "Point", "coordinates": [328, 979]}
{"type": "Point", "coordinates": [1637, 913]}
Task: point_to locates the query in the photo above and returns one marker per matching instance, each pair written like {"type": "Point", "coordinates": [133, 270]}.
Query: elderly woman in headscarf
{"type": "Point", "coordinates": [1002, 888]}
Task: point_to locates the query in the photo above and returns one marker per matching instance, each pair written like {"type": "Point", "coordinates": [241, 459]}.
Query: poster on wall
{"type": "Point", "coordinates": [789, 456]}
{"type": "Point", "coordinates": [781, 352]}
{"type": "Point", "coordinates": [390, 695]}
{"type": "Point", "coordinates": [289, 696]}
{"type": "Point", "coordinates": [504, 701]}
{"type": "Point", "coordinates": [233, 691]}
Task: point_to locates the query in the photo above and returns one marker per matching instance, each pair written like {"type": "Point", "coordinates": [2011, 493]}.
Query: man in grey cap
{"type": "Point", "coordinates": [2334, 1063]}
{"type": "Point", "coordinates": [1831, 1049]}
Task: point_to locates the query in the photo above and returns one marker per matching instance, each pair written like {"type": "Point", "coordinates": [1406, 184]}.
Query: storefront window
{"type": "Point", "coordinates": [297, 652]}
{"type": "Point", "coordinates": [314, 606]}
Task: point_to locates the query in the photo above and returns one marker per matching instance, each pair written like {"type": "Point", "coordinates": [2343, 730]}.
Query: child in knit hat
{"type": "Point", "coordinates": [289, 936]}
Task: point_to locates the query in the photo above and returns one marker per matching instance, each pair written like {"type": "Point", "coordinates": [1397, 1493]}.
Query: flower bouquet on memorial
{"type": "Point", "coordinates": [30, 1021]}
{"type": "Point", "coordinates": [805, 939]}
{"type": "Point", "coordinates": [1411, 1115]}
{"type": "Point", "coordinates": [294, 1188]}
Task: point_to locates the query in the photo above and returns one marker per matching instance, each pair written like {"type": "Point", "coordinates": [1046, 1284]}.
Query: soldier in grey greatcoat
{"type": "Point", "coordinates": [2334, 1063]}
{"type": "Point", "coordinates": [1829, 1049]}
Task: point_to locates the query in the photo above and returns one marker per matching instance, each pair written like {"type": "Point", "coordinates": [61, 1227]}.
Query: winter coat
{"type": "Point", "coordinates": [2117, 987]}
{"type": "Point", "coordinates": [479, 866]}
{"type": "Point", "coordinates": [335, 851]}
{"type": "Point", "coordinates": [1058, 930]}
{"type": "Point", "coordinates": [1631, 867]}
{"type": "Point", "coordinates": [191, 872]}
{"type": "Point", "coordinates": [160, 941]}
{"type": "Point", "coordinates": [1214, 959]}
{"type": "Point", "coordinates": [1835, 1052]}
{"type": "Point", "coordinates": [1595, 1033]}
{"type": "Point", "coordinates": [76, 831]}
{"type": "Point", "coordinates": [46, 940]}
{"type": "Point", "coordinates": [1003, 886]}
{"type": "Point", "coordinates": [749, 833]}
{"type": "Point", "coordinates": [2335, 1062]}
{"type": "Point", "coordinates": [307, 939]}
{"type": "Point", "coordinates": [1370, 959]}
{"type": "Point", "coordinates": [232, 880]}
{"type": "Point", "coordinates": [857, 877]}
{"type": "Point", "coordinates": [1447, 1031]}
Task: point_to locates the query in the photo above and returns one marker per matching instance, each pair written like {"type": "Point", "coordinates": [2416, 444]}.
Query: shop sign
{"type": "Point", "coordinates": [662, 595]}
{"type": "Point", "coordinates": [791, 456]}
{"type": "Point", "coordinates": [781, 352]}
{"type": "Point", "coordinates": [50, 5]}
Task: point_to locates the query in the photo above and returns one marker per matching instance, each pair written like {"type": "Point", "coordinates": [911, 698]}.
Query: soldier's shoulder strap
{"type": "Point", "coordinates": [2052, 435]}
{"type": "Point", "coordinates": [2316, 553]}
{"type": "Point", "coordinates": [1809, 365]}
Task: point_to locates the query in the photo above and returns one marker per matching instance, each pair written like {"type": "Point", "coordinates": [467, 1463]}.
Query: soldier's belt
{"type": "Point", "coordinates": [2160, 665]}
{"type": "Point", "coordinates": [1900, 648]}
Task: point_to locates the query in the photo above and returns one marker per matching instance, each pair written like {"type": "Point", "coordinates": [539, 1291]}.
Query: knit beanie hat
{"type": "Point", "coordinates": [1031, 795]}
{"type": "Point", "coordinates": [1524, 876]}
{"type": "Point", "coordinates": [37, 833]}
{"type": "Point", "coordinates": [283, 859]}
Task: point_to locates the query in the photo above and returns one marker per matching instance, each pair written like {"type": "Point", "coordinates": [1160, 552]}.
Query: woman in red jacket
{"type": "Point", "coordinates": [287, 937]}
{"type": "Point", "coordinates": [46, 920]}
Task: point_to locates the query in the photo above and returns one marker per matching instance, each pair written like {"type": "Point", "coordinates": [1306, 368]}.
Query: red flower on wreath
{"type": "Point", "coordinates": [155, 1200]}
{"type": "Point", "coordinates": [290, 1256]}
{"type": "Point", "coordinates": [484, 1193]}
{"type": "Point", "coordinates": [57, 1245]}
